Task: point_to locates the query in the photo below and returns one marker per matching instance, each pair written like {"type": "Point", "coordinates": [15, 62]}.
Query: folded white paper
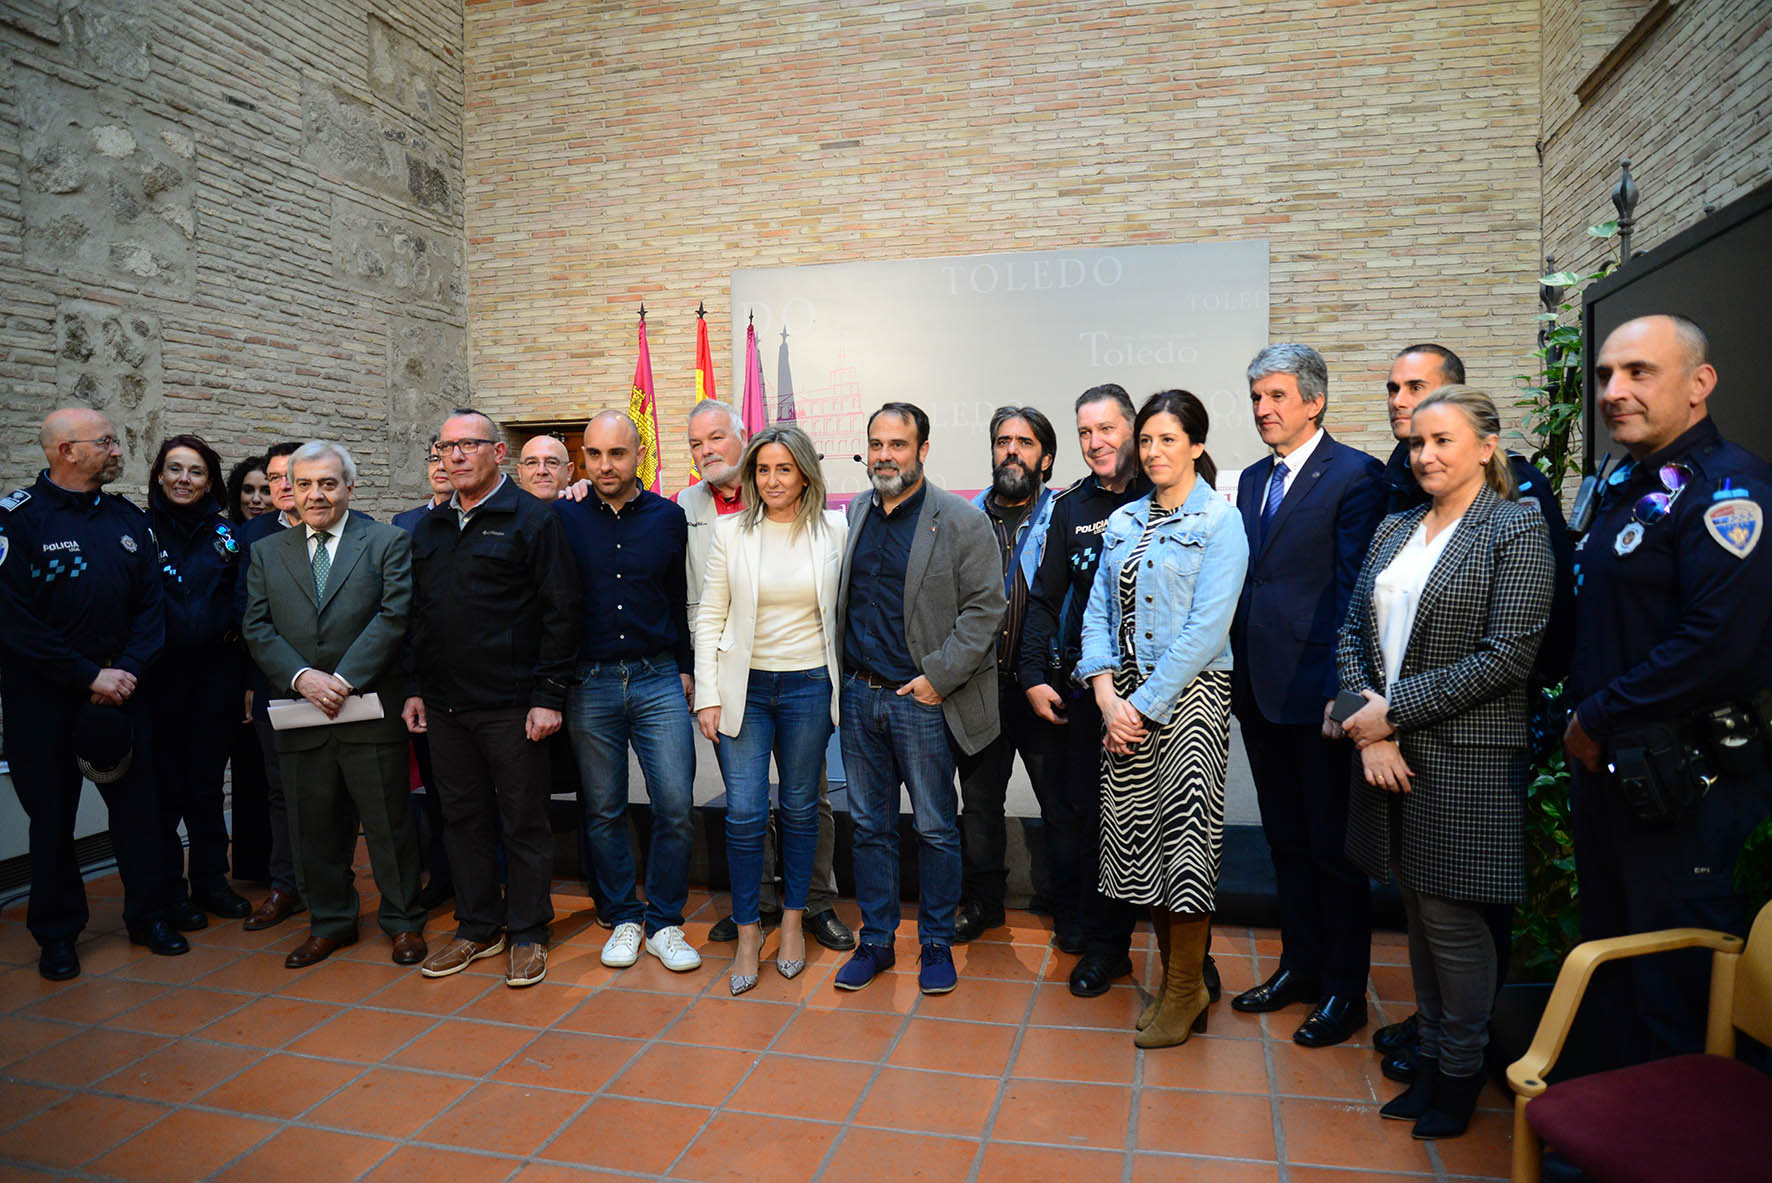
{"type": "Point", "coordinates": [290, 713]}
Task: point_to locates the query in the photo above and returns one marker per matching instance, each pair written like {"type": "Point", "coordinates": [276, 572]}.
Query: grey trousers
{"type": "Point", "coordinates": [1452, 959]}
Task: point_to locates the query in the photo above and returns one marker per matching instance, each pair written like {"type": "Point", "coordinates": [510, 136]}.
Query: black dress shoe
{"type": "Point", "coordinates": [726, 928]}
{"type": "Point", "coordinates": [828, 929]}
{"type": "Point", "coordinates": [1394, 1037]}
{"type": "Point", "coordinates": [58, 962]}
{"type": "Point", "coordinates": [1282, 989]}
{"type": "Point", "coordinates": [1068, 940]}
{"type": "Point", "coordinates": [435, 892]}
{"type": "Point", "coordinates": [160, 937]}
{"type": "Point", "coordinates": [971, 920]}
{"type": "Point", "coordinates": [1095, 974]}
{"type": "Point", "coordinates": [187, 916]}
{"type": "Point", "coordinates": [219, 899]}
{"type": "Point", "coordinates": [1209, 972]}
{"type": "Point", "coordinates": [1402, 1067]}
{"type": "Point", "coordinates": [1336, 1018]}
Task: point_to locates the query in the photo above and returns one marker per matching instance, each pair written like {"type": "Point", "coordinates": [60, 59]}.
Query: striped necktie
{"type": "Point", "coordinates": [1276, 492]}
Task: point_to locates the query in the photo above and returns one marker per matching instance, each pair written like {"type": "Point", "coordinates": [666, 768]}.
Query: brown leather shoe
{"type": "Point", "coordinates": [277, 907]}
{"type": "Point", "coordinates": [528, 964]}
{"type": "Point", "coordinates": [458, 954]}
{"type": "Point", "coordinates": [315, 950]}
{"type": "Point", "coordinates": [409, 948]}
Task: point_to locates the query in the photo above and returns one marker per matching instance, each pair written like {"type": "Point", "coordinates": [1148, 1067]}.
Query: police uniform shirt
{"type": "Point", "coordinates": [79, 585]}
{"type": "Point", "coordinates": [1672, 614]}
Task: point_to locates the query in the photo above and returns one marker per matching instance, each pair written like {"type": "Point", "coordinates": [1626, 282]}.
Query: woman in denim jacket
{"type": "Point", "coordinates": [1156, 650]}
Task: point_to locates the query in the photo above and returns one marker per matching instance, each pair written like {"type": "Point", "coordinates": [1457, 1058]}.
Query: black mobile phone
{"type": "Point", "coordinates": [1347, 704]}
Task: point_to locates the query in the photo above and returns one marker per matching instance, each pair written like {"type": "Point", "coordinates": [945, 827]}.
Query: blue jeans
{"type": "Point", "coordinates": [787, 715]}
{"type": "Point", "coordinates": [641, 701]}
{"type": "Point", "coordinates": [890, 740]}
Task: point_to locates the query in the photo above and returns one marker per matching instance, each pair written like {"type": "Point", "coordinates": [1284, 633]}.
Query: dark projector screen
{"type": "Point", "coordinates": [1717, 273]}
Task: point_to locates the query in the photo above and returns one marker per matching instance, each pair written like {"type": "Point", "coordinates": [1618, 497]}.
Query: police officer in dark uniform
{"type": "Point", "coordinates": [193, 689]}
{"type": "Point", "coordinates": [1416, 372]}
{"type": "Point", "coordinates": [80, 619]}
{"type": "Point", "coordinates": [1051, 641]}
{"type": "Point", "coordinates": [1673, 660]}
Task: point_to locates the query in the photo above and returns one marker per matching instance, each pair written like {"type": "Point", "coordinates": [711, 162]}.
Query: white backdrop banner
{"type": "Point", "coordinates": [964, 335]}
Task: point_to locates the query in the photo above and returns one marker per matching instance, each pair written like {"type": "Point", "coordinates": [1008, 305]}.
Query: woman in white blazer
{"type": "Point", "coordinates": [766, 672]}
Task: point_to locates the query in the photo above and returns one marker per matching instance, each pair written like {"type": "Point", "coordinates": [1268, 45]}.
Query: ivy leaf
{"type": "Point", "coordinates": [1559, 279]}
{"type": "Point", "coordinates": [1608, 229]}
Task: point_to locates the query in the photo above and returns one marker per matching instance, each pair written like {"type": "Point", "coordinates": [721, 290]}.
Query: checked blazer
{"type": "Point", "coordinates": [1458, 704]}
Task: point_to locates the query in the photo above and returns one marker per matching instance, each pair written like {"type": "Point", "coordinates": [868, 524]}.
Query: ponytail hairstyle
{"type": "Point", "coordinates": [1191, 413]}
{"type": "Point", "coordinates": [1479, 411]}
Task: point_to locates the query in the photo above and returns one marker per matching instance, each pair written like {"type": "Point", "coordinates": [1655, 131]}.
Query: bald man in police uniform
{"type": "Point", "coordinates": [80, 619]}
{"type": "Point", "coordinates": [1673, 658]}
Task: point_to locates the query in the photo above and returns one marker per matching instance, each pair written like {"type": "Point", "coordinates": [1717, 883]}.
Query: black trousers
{"type": "Point", "coordinates": [428, 811]}
{"type": "Point", "coordinates": [40, 725]}
{"type": "Point", "coordinates": [331, 787]}
{"type": "Point", "coordinates": [1301, 784]}
{"type": "Point", "coordinates": [984, 783]}
{"type": "Point", "coordinates": [194, 701]}
{"type": "Point", "coordinates": [1639, 876]}
{"type": "Point", "coordinates": [282, 866]}
{"type": "Point", "coordinates": [494, 783]}
{"type": "Point", "coordinates": [1106, 923]}
{"type": "Point", "coordinates": [251, 809]}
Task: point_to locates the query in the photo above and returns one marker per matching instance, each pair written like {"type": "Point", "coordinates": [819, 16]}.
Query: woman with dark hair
{"type": "Point", "coordinates": [766, 675]}
{"type": "Point", "coordinates": [249, 490]}
{"type": "Point", "coordinates": [1156, 651]}
{"type": "Point", "coordinates": [193, 688]}
{"type": "Point", "coordinates": [249, 495]}
{"type": "Point", "coordinates": [1439, 638]}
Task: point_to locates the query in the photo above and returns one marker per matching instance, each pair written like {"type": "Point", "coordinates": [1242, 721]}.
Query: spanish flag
{"type": "Point", "coordinates": [643, 410]}
{"type": "Point", "coordinates": [704, 370]}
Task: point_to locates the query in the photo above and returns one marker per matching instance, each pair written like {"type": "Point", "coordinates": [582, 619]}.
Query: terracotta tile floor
{"type": "Point", "coordinates": [223, 1064]}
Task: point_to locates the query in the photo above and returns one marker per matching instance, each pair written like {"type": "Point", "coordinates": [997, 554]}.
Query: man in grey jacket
{"type": "Point", "coordinates": [918, 609]}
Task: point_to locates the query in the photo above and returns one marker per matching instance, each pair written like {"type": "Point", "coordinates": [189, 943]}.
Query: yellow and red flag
{"type": "Point", "coordinates": [643, 410]}
{"type": "Point", "coordinates": [704, 370]}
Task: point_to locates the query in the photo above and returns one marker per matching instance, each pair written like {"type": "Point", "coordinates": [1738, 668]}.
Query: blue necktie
{"type": "Point", "coordinates": [1276, 492]}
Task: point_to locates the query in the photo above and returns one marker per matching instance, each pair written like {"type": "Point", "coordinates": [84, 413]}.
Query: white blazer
{"type": "Point", "coordinates": [726, 622]}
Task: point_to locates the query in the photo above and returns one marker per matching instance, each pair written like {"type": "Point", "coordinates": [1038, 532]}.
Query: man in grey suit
{"type": "Point", "coordinates": [919, 606]}
{"type": "Point", "coordinates": [326, 609]}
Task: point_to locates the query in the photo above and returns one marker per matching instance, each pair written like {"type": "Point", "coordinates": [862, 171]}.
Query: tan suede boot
{"type": "Point", "coordinates": [1182, 1008]}
{"type": "Point", "coordinates": [1160, 922]}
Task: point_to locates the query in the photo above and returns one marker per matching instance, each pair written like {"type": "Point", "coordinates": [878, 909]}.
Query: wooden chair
{"type": "Point", "coordinates": [1701, 1116]}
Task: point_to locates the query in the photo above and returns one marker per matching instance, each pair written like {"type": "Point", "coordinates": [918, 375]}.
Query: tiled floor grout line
{"type": "Point", "coordinates": [1281, 1163]}
{"type": "Point", "coordinates": [1003, 1085]}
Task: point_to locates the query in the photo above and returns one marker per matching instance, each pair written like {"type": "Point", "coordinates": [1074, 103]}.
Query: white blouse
{"type": "Point", "coordinates": [1396, 593]}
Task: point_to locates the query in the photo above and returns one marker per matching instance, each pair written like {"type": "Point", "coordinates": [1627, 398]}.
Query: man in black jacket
{"type": "Point", "coordinates": [496, 622]}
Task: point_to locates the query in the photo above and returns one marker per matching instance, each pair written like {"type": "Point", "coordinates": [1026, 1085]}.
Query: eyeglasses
{"type": "Point", "coordinates": [107, 442]}
{"type": "Point", "coordinates": [465, 447]}
{"type": "Point", "coordinates": [1652, 507]}
{"type": "Point", "coordinates": [551, 463]}
{"type": "Point", "coordinates": [433, 458]}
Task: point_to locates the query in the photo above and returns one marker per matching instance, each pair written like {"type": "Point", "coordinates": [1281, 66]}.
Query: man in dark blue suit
{"type": "Point", "coordinates": [1310, 510]}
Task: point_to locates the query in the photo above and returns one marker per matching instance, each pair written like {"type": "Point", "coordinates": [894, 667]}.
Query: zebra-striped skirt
{"type": "Point", "coordinates": [1162, 806]}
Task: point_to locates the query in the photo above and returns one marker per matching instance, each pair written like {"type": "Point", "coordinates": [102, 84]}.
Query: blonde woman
{"type": "Point", "coordinates": [766, 673]}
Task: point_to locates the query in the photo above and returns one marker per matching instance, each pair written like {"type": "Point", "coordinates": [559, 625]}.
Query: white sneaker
{"type": "Point", "coordinates": [669, 946]}
{"type": "Point", "coordinates": [623, 949]}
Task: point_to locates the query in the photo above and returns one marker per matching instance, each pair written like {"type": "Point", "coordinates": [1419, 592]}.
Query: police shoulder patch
{"type": "Point", "coordinates": [14, 499]}
{"type": "Point", "coordinates": [1736, 525]}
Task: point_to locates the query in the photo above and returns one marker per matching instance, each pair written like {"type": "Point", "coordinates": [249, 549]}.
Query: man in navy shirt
{"type": "Point", "coordinates": [635, 681]}
{"type": "Point", "coordinates": [80, 619]}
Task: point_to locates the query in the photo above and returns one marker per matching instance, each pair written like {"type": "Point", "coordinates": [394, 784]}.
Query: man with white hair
{"type": "Point", "coordinates": [326, 611]}
{"type": "Point", "coordinates": [80, 619]}
{"type": "Point", "coordinates": [716, 444]}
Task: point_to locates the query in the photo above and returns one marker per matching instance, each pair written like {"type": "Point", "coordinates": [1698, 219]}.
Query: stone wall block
{"type": "Point", "coordinates": [109, 358]}
{"type": "Point", "coordinates": [350, 139]}
{"type": "Point", "coordinates": [427, 377]}
{"type": "Point", "coordinates": [402, 72]}
{"type": "Point", "coordinates": [113, 40]}
{"type": "Point", "coordinates": [96, 168]}
{"type": "Point", "coordinates": [395, 258]}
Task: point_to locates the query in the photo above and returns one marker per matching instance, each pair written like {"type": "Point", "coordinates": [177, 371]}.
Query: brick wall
{"type": "Point", "coordinates": [235, 217]}
{"type": "Point", "coordinates": [1689, 109]}
{"type": "Point", "coordinates": [623, 151]}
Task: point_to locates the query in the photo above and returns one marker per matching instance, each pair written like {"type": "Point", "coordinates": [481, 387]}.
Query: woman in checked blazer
{"type": "Point", "coordinates": [1440, 635]}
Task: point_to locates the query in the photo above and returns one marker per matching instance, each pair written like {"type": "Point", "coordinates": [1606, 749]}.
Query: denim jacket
{"type": "Point", "coordinates": [1187, 594]}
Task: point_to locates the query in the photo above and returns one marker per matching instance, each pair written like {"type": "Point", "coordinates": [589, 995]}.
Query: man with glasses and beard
{"type": "Point", "coordinates": [919, 606]}
{"type": "Point", "coordinates": [80, 619]}
{"type": "Point", "coordinates": [1019, 506]}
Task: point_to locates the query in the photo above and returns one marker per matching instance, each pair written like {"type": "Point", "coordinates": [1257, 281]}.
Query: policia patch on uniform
{"type": "Point", "coordinates": [1736, 525]}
